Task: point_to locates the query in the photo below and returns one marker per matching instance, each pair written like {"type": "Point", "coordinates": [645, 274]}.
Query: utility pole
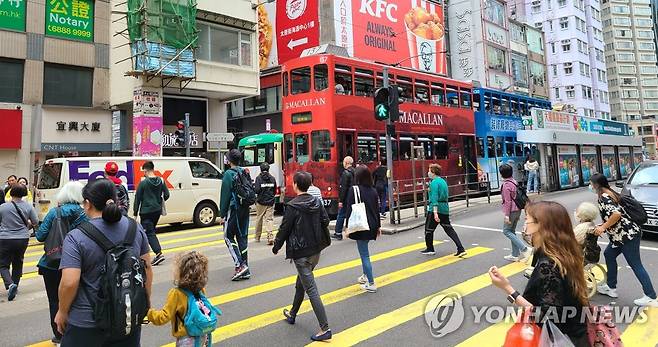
{"type": "Point", "coordinates": [187, 135]}
{"type": "Point", "coordinates": [390, 128]}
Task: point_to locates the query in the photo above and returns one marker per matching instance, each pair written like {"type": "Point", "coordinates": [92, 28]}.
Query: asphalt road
{"type": "Point", "coordinates": [392, 316]}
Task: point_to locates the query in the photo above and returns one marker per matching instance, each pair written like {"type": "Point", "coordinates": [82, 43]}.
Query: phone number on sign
{"type": "Point", "coordinates": [69, 31]}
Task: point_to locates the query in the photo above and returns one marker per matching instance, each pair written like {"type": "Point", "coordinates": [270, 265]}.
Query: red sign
{"type": "Point", "coordinates": [297, 27]}
{"type": "Point", "coordinates": [392, 31]}
{"type": "Point", "coordinates": [11, 129]}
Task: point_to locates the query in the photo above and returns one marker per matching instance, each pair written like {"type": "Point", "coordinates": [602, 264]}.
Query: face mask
{"type": "Point", "coordinates": [591, 189]}
{"type": "Point", "coordinates": [430, 174]}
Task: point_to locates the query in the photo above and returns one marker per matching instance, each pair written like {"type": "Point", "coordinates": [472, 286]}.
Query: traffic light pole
{"type": "Point", "coordinates": [389, 155]}
{"type": "Point", "coordinates": [187, 135]}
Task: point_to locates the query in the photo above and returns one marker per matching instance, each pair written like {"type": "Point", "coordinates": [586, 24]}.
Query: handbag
{"type": "Point", "coordinates": [551, 336]}
{"type": "Point", "coordinates": [358, 218]}
{"type": "Point", "coordinates": [601, 331]}
{"type": "Point", "coordinates": [524, 333]}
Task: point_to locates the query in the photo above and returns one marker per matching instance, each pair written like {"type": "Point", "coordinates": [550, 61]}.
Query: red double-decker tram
{"type": "Point", "coordinates": [328, 114]}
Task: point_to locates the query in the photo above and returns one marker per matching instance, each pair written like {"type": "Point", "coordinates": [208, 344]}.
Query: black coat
{"type": "Point", "coordinates": [346, 182]}
{"type": "Point", "coordinates": [304, 228]}
{"type": "Point", "coordinates": [265, 188]}
{"type": "Point", "coordinates": [370, 198]}
{"type": "Point", "coordinates": [379, 178]}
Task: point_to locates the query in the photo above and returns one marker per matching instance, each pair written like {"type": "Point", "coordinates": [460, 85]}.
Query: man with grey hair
{"type": "Point", "coordinates": [346, 183]}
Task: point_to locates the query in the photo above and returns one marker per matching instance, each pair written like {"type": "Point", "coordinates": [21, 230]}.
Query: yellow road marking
{"type": "Point", "coordinates": [42, 344]}
{"type": "Point", "coordinates": [642, 333]}
{"type": "Point", "coordinates": [262, 320]}
{"type": "Point", "coordinates": [493, 335]}
{"type": "Point", "coordinates": [387, 321]}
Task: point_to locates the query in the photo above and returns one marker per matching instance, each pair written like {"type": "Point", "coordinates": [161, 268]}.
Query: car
{"type": "Point", "coordinates": [642, 184]}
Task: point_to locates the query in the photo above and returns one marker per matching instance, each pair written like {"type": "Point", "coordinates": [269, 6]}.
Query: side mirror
{"type": "Point", "coordinates": [619, 184]}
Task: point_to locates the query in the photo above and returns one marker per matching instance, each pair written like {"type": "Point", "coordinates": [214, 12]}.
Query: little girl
{"type": "Point", "coordinates": [586, 214]}
{"type": "Point", "coordinates": [191, 276]}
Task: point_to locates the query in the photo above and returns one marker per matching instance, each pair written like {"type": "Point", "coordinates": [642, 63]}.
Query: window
{"type": "Point", "coordinates": [425, 141]}
{"type": "Point", "coordinates": [520, 70]}
{"type": "Point", "coordinates": [536, 6]}
{"type": "Point", "coordinates": [550, 25]}
{"type": "Point", "coordinates": [627, 69]}
{"type": "Point", "coordinates": [479, 147]}
{"type": "Point", "coordinates": [517, 33]}
{"type": "Point", "coordinates": [651, 105]}
{"type": "Point", "coordinates": [556, 92]}
{"type": "Point", "coordinates": [599, 55]}
{"type": "Point", "coordinates": [301, 80]}
{"type": "Point", "coordinates": [224, 45]}
{"type": "Point", "coordinates": [538, 73]}
{"type": "Point", "coordinates": [285, 84]}
{"type": "Point", "coordinates": [642, 11]}
{"type": "Point", "coordinates": [570, 91]}
{"type": "Point", "coordinates": [466, 99]}
{"type": "Point", "coordinates": [651, 93]}
{"type": "Point", "coordinates": [78, 82]}
{"type": "Point", "coordinates": [621, 9]}
{"type": "Point", "coordinates": [625, 33]}
{"type": "Point", "coordinates": [554, 68]}
{"type": "Point", "coordinates": [562, 3]}
{"type": "Point", "coordinates": [568, 68]}
{"type": "Point", "coordinates": [629, 81]}
{"type": "Point", "coordinates": [452, 96]}
{"type": "Point", "coordinates": [364, 82]}
{"type": "Point", "coordinates": [649, 70]}
{"type": "Point", "coordinates": [643, 22]}
{"type": "Point", "coordinates": [598, 34]}
{"type": "Point", "coordinates": [441, 148]}
{"type": "Point", "coordinates": [596, 13]}
{"type": "Point", "coordinates": [584, 69]}
{"type": "Point", "coordinates": [496, 59]}
{"type": "Point", "coordinates": [649, 58]}
{"type": "Point", "coordinates": [11, 88]}
{"type": "Point", "coordinates": [552, 47]}
{"type": "Point", "coordinates": [587, 92]}
{"type": "Point", "coordinates": [622, 21]}
{"type": "Point", "coordinates": [645, 34]}
{"type": "Point", "coordinates": [566, 45]}
{"type": "Point", "coordinates": [301, 148]}
{"type": "Point", "coordinates": [622, 45]}
{"type": "Point", "coordinates": [321, 77]}
{"type": "Point", "coordinates": [287, 142]}
{"type": "Point", "coordinates": [626, 56]}
{"type": "Point", "coordinates": [564, 23]}
{"type": "Point", "coordinates": [422, 92]}
{"type": "Point", "coordinates": [201, 169]}
{"type": "Point", "coordinates": [539, 25]}
{"type": "Point", "coordinates": [646, 46]}
{"type": "Point", "coordinates": [406, 88]}
{"type": "Point", "coordinates": [583, 47]}
{"type": "Point", "coordinates": [632, 106]}
{"type": "Point", "coordinates": [491, 147]}
{"type": "Point", "coordinates": [495, 12]}
{"type": "Point", "coordinates": [320, 145]}
{"type": "Point", "coordinates": [267, 101]}
{"type": "Point", "coordinates": [406, 143]}
{"type": "Point", "coordinates": [649, 82]}
{"type": "Point", "coordinates": [579, 4]}
{"type": "Point", "coordinates": [581, 25]}
{"type": "Point", "coordinates": [438, 94]}
{"type": "Point", "coordinates": [366, 148]}
{"type": "Point", "coordinates": [600, 74]}
{"type": "Point", "coordinates": [49, 176]}
{"type": "Point", "coordinates": [343, 78]}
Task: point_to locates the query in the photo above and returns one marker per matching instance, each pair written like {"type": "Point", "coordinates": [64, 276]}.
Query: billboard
{"type": "Point", "coordinates": [609, 163]}
{"type": "Point", "coordinates": [625, 161]}
{"type": "Point", "coordinates": [568, 166]}
{"type": "Point", "coordinates": [547, 119]}
{"type": "Point", "coordinates": [70, 19]}
{"type": "Point", "coordinates": [588, 162]}
{"type": "Point", "coordinates": [12, 15]}
{"type": "Point", "coordinates": [408, 31]}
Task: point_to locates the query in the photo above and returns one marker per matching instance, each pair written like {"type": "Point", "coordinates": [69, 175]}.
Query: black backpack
{"type": "Point", "coordinates": [55, 239]}
{"type": "Point", "coordinates": [243, 188]}
{"type": "Point", "coordinates": [634, 210]}
{"type": "Point", "coordinates": [521, 199]}
{"type": "Point", "coordinates": [121, 303]}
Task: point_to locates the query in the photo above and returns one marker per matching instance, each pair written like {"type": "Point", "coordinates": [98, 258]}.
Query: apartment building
{"type": "Point", "coordinates": [528, 60]}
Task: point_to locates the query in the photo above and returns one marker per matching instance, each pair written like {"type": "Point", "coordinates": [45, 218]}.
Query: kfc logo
{"type": "Point", "coordinates": [380, 7]}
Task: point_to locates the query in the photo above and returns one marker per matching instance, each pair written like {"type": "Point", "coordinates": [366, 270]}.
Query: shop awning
{"type": "Point", "coordinates": [575, 138]}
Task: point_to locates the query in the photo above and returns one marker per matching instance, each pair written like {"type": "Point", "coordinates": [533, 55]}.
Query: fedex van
{"type": "Point", "coordinates": [194, 183]}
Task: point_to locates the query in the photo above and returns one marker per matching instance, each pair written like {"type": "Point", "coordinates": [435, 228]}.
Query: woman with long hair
{"type": "Point", "coordinates": [557, 282]}
{"type": "Point", "coordinates": [625, 236]}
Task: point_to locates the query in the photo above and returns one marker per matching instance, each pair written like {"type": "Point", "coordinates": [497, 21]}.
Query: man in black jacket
{"type": "Point", "coordinates": [346, 183]}
{"type": "Point", "coordinates": [379, 176]}
{"type": "Point", "coordinates": [304, 229]}
{"type": "Point", "coordinates": [265, 188]}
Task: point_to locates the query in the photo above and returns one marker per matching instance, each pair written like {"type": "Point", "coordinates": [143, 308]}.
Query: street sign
{"type": "Point", "coordinates": [220, 137]}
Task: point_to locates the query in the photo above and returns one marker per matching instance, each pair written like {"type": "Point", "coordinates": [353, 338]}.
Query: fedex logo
{"type": "Point", "coordinates": [132, 175]}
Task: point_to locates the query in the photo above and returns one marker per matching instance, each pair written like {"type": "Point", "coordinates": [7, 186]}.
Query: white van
{"type": "Point", "coordinates": [194, 183]}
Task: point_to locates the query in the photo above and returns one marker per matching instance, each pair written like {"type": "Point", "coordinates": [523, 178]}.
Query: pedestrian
{"type": "Point", "coordinates": [345, 184]}
{"type": "Point", "coordinates": [557, 283]}
{"type": "Point", "coordinates": [512, 213]}
{"type": "Point", "coordinates": [368, 195]}
{"type": "Point", "coordinates": [235, 218]}
{"type": "Point", "coordinates": [625, 236]}
{"type": "Point", "coordinates": [190, 277]}
{"type": "Point", "coordinates": [586, 214]}
{"type": "Point", "coordinates": [82, 266]}
{"type": "Point", "coordinates": [123, 200]}
{"type": "Point", "coordinates": [438, 212]}
{"type": "Point", "coordinates": [17, 217]}
{"type": "Point", "coordinates": [265, 188]}
{"type": "Point", "coordinates": [532, 167]}
{"type": "Point", "coordinates": [151, 194]}
{"type": "Point", "coordinates": [11, 180]}
{"type": "Point", "coordinates": [315, 191]}
{"type": "Point", "coordinates": [304, 229]}
{"type": "Point", "coordinates": [27, 198]}
{"type": "Point", "coordinates": [68, 200]}
{"type": "Point", "coordinates": [380, 179]}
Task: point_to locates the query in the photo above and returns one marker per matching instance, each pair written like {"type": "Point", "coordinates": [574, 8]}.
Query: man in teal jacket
{"type": "Point", "coordinates": [151, 193]}
{"type": "Point", "coordinates": [438, 212]}
{"type": "Point", "coordinates": [235, 219]}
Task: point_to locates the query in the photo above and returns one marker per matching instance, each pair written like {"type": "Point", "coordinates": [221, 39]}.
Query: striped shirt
{"type": "Point", "coordinates": [315, 191]}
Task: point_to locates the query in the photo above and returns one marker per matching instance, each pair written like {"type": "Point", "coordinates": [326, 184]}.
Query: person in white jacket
{"type": "Point", "coordinates": [532, 166]}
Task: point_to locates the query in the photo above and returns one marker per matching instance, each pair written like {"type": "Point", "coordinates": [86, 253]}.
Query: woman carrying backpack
{"type": "Point", "coordinates": [68, 199]}
{"type": "Point", "coordinates": [625, 236]}
{"type": "Point", "coordinates": [512, 213]}
{"type": "Point", "coordinates": [81, 264]}
{"type": "Point", "coordinates": [190, 327]}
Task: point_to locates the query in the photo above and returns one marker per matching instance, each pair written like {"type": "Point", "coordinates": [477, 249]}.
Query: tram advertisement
{"type": "Point", "coordinates": [588, 162]}
{"type": "Point", "coordinates": [609, 163]}
{"type": "Point", "coordinates": [625, 165]}
{"type": "Point", "coordinates": [637, 156]}
{"type": "Point", "coordinates": [568, 164]}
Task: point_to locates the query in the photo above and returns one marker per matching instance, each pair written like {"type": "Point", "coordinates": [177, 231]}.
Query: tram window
{"type": "Point", "coordinates": [480, 147]}
{"type": "Point", "coordinates": [465, 98]}
{"type": "Point", "coordinates": [453, 96]}
{"type": "Point", "coordinates": [514, 107]}
{"type": "Point", "coordinates": [422, 92]}
{"type": "Point", "coordinates": [509, 146]}
{"type": "Point", "coordinates": [499, 146]}
{"type": "Point", "coordinates": [380, 79]}
{"type": "Point", "coordinates": [320, 145]}
{"type": "Point", "coordinates": [496, 105]}
{"type": "Point", "coordinates": [487, 104]}
{"type": "Point", "coordinates": [363, 82]}
{"type": "Point", "coordinates": [285, 84]}
{"type": "Point", "coordinates": [382, 147]}
{"type": "Point", "coordinates": [504, 106]}
{"type": "Point", "coordinates": [345, 145]}
{"type": "Point", "coordinates": [367, 148]}
{"type": "Point", "coordinates": [438, 94]}
{"type": "Point", "coordinates": [441, 148]}
{"type": "Point", "coordinates": [321, 77]}
{"type": "Point", "coordinates": [301, 80]}
{"type": "Point", "coordinates": [405, 147]}
{"type": "Point", "coordinates": [288, 147]}
{"type": "Point", "coordinates": [491, 147]}
{"type": "Point", "coordinates": [476, 102]}
{"type": "Point", "coordinates": [406, 90]}
{"type": "Point", "coordinates": [343, 77]}
{"type": "Point", "coordinates": [301, 146]}
{"type": "Point", "coordinates": [426, 142]}
{"type": "Point", "coordinates": [518, 149]}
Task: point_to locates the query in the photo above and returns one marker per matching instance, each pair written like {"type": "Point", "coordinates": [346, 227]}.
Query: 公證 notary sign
{"type": "Point", "coordinates": [219, 137]}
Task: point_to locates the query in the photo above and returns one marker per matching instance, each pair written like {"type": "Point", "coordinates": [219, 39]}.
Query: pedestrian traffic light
{"type": "Point", "coordinates": [180, 133]}
{"type": "Point", "coordinates": [382, 107]}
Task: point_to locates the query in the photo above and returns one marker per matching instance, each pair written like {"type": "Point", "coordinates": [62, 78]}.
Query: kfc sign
{"type": "Point", "coordinates": [376, 8]}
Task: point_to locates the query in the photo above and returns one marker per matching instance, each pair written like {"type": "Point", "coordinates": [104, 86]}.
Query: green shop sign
{"type": "Point", "coordinates": [70, 19]}
{"type": "Point", "coordinates": [12, 14]}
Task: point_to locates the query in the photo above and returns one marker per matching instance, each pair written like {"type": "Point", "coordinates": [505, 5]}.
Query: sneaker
{"type": "Point", "coordinates": [369, 287]}
{"type": "Point", "coordinates": [12, 291]}
{"type": "Point", "coordinates": [257, 240]}
{"type": "Point", "coordinates": [362, 279]}
{"type": "Point", "coordinates": [289, 317]}
{"type": "Point", "coordinates": [605, 290]}
{"type": "Point", "coordinates": [56, 341]}
{"type": "Point", "coordinates": [646, 301]}
{"type": "Point", "coordinates": [270, 243]}
{"type": "Point", "coordinates": [337, 237]}
{"type": "Point", "coordinates": [239, 272]}
{"type": "Point", "coordinates": [526, 255]}
{"type": "Point", "coordinates": [322, 336]}
{"type": "Point", "coordinates": [428, 252]}
{"type": "Point", "coordinates": [510, 257]}
{"type": "Point", "coordinates": [461, 253]}
{"type": "Point", "coordinates": [246, 275]}
{"type": "Point", "coordinates": [159, 258]}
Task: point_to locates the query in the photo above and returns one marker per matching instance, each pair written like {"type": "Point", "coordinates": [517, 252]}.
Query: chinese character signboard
{"type": "Point", "coordinates": [70, 19]}
{"type": "Point", "coordinates": [12, 14]}
{"type": "Point", "coordinates": [147, 122]}
{"type": "Point", "coordinates": [546, 119]}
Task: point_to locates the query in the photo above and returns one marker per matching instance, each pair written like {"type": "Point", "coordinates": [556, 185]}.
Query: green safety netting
{"type": "Point", "coordinates": [169, 22]}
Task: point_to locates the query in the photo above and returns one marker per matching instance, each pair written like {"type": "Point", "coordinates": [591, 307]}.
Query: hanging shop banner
{"type": "Point", "coordinates": [609, 164]}
{"type": "Point", "coordinates": [547, 119]}
{"type": "Point", "coordinates": [70, 19]}
{"type": "Point", "coordinates": [147, 121]}
{"type": "Point", "coordinates": [625, 161]}
{"type": "Point", "coordinates": [12, 14]}
{"type": "Point", "coordinates": [568, 164]}
{"type": "Point", "coordinates": [588, 162]}
{"type": "Point", "coordinates": [637, 156]}
{"type": "Point", "coordinates": [408, 31]}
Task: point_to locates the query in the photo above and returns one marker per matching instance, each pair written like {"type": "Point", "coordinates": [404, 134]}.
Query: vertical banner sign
{"type": "Point", "coordinates": [588, 162]}
{"type": "Point", "coordinates": [70, 19]}
{"type": "Point", "coordinates": [297, 27]}
{"type": "Point", "coordinates": [393, 31]}
{"type": "Point", "coordinates": [147, 122]}
{"type": "Point", "coordinates": [12, 14]}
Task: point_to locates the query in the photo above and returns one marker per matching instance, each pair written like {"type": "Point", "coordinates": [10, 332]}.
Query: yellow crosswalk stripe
{"type": "Point", "coordinates": [387, 321]}
{"type": "Point", "coordinates": [262, 320]}
{"type": "Point", "coordinates": [494, 335]}
{"type": "Point", "coordinates": [641, 333]}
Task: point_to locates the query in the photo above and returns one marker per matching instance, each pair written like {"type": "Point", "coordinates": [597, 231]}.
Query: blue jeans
{"type": "Point", "coordinates": [533, 181]}
{"type": "Point", "coordinates": [631, 251]}
{"type": "Point", "coordinates": [509, 230]}
{"type": "Point", "coordinates": [362, 246]}
{"type": "Point", "coordinates": [340, 221]}
{"type": "Point", "coordinates": [383, 199]}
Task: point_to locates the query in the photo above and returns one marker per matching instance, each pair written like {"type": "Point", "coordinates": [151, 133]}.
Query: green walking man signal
{"type": "Point", "coordinates": [387, 103]}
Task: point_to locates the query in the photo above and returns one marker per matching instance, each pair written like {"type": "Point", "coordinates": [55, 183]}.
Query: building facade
{"type": "Point", "coordinates": [527, 60]}
{"type": "Point", "coordinates": [628, 31]}
{"type": "Point", "coordinates": [574, 51]}
{"type": "Point", "coordinates": [54, 96]}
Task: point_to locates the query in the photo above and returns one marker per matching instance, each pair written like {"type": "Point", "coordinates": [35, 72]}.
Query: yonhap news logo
{"type": "Point", "coordinates": [444, 313]}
